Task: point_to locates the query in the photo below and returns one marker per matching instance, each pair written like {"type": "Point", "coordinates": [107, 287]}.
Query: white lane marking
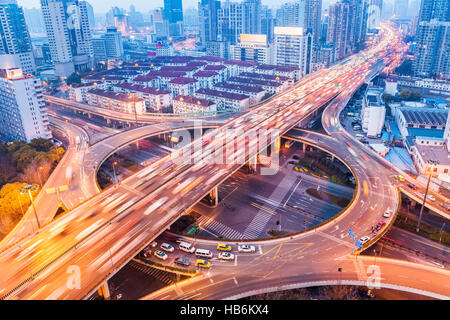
{"type": "Point", "coordinates": [235, 281]}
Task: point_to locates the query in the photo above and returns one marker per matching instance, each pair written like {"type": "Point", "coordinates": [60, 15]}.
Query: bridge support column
{"type": "Point", "coordinates": [89, 115]}
{"type": "Point", "coordinates": [214, 197]}
{"type": "Point", "coordinates": [252, 162]}
{"type": "Point", "coordinates": [276, 146]}
{"type": "Point", "coordinates": [304, 147]}
{"type": "Point", "coordinates": [104, 292]}
{"type": "Point", "coordinates": [108, 121]}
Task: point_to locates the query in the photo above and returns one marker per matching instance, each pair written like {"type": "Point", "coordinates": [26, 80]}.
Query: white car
{"type": "Point", "coordinates": [154, 244]}
{"type": "Point", "coordinates": [167, 247]}
{"type": "Point", "coordinates": [226, 256]}
{"type": "Point", "coordinates": [364, 239]}
{"type": "Point", "coordinates": [387, 214]}
{"type": "Point", "coordinates": [246, 248]}
{"type": "Point", "coordinates": [161, 254]}
{"type": "Point", "coordinates": [431, 197]}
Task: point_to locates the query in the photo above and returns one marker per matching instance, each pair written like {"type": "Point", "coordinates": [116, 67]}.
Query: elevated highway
{"type": "Point", "coordinates": [102, 234]}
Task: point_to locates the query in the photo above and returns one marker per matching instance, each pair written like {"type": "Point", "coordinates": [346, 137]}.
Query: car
{"type": "Point", "coordinates": [431, 197]}
{"type": "Point", "coordinates": [226, 256]}
{"type": "Point", "coordinates": [223, 247]}
{"type": "Point", "coordinates": [380, 225]}
{"type": "Point", "coordinates": [387, 214]}
{"type": "Point", "coordinates": [161, 254]}
{"type": "Point", "coordinates": [399, 178]}
{"type": "Point", "coordinates": [154, 244]}
{"type": "Point", "coordinates": [202, 263]}
{"type": "Point", "coordinates": [146, 252]}
{"type": "Point", "coordinates": [364, 239]}
{"type": "Point", "coordinates": [167, 247]}
{"type": "Point", "coordinates": [182, 261]}
{"type": "Point", "coordinates": [246, 248]}
{"type": "Point", "coordinates": [412, 186]}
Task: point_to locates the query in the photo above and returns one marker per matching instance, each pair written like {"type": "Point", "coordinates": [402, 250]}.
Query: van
{"type": "Point", "coordinates": [356, 127]}
{"type": "Point", "coordinates": [186, 247]}
{"type": "Point", "coordinates": [203, 253]}
{"type": "Point", "coordinates": [359, 135]}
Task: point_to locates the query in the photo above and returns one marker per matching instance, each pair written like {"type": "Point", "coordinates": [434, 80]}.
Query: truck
{"type": "Point", "coordinates": [77, 140]}
{"type": "Point", "coordinates": [68, 175]}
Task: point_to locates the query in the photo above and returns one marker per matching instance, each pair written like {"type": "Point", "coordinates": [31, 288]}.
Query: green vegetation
{"type": "Point", "coordinates": [73, 78]}
{"type": "Point", "coordinates": [426, 231]}
{"type": "Point", "coordinates": [22, 163]}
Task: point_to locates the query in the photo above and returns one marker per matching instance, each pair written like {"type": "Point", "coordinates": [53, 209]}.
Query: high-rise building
{"type": "Point", "coordinates": [173, 13]}
{"type": "Point", "coordinates": [293, 47]}
{"type": "Point", "coordinates": [113, 43]}
{"type": "Point", "coordinates": [374, 13]}
{"type": "Point", "coordinates": [235, 18]}
{"type": "Point", "coordinates": [292, 14]}
{"type": "Point", "coordinates": [267, 22]}
{"type": "Point", "coordinates": [338, 28]}
{"type": "Point", "coordinates": [357, 22]}
{"type": "Point", "coordinates": [34, 20]}
{"type": "Point", "coordinates": [22, 106]}
{"type": "Point", "coordinates": [252, 47]}
{"type": "Point", "coordinates": [15, 43]}
{"type": "Point", "coordinates": [401, 8]}
{"type": "Point", "coordinates": [207, 11]}
{"type": "Point", "coordinates": [313, 14]}
{"type": "Point", "coordinates": [69, 35]}
{"type": "Point", "coordinates": [432, 53]}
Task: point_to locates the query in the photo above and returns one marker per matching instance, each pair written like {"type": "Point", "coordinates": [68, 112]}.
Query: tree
{"type": "Point", "coordinates": [41, 144]}
{"type": "Point", "coordinates": [387, 98]}
{"type": "Point", "coordinates": [73, 78]}
{"type": "Point", "coordinates": [12, 206]}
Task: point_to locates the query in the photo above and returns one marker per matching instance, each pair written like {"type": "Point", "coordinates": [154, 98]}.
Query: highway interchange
{"type": "Point", "coordinates": [103, 233]}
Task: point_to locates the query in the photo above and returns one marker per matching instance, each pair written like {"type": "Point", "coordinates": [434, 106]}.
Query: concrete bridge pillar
{"type": "Point", "coordinates": [108, 121]}
{"type": "Point", "coordinates": [304, 147]}
{"type": "Point", "coordinates": [276, 146]}
{"type": "Point", "coordinates": [214, 197]}
{"type": "Point", "coordinates": [252, 162]}
{"type": "Point", "coordinates": [89, 115]}
{"type": "Point", "coordinates": [103, 291]}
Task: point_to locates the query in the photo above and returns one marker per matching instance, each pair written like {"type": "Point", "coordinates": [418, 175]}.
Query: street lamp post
{"type": "Point", "coordinates": [433, 163]}
{"type": "Point", "coordinates": [28, 189]}
{"type": "Point", "coordinates": [116, 180]}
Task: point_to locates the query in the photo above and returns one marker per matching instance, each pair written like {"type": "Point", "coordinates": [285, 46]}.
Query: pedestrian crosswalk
{"type": "Point", "coordinates": [160, 275]}
{"type": "Point", "coordinates": [257, 225]}
{"type": "Point", "coordinates": [219, 228]}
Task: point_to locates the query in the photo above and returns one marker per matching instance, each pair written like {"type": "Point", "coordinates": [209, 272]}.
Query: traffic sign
{"type": "Point", "coordinates": [351, 234]}
{"type": "Point", "coordinates": [359, 244]}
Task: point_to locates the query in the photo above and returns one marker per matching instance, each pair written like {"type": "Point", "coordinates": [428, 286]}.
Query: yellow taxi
{"type": "Point", "coordinates": [223, 247]}
{"type": "Point", "coordinates": [202, 263]}
{"type": "Point", "coordinates": [400, 178]}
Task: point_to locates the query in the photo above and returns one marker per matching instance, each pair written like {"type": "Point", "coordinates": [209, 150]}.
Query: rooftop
{"type": "Point", "coordinates": [263, 76]}
{"type": "Point", "coordinates": [434, 153]}
{"type": "Point", "coordinates": [222, 94]}
{"type": "Point", "coordinates": [425, 116]}
{"type": "Point", "coordinates": [194, 100]}
{"type": "Point", "coordinates": [182, 80]}
{"type": "Point", "coordinates": [241, 63]}
{"type": "Point", "coordinates": [255, 81]}
{"type": "Point", "coordinates": [115, 95]}
{"type": "Point", "coordinates": [214, 67]}
{"type": "Point", "coordinates": [205, 74]}
{"type": "Point", "coordinates": [141, 88]}
{"type": "Point", "coordinates": [419, 132]}
{"type": "Point", "coordinates": [145, 78]}
{"type": "Point", "coordinates": [239, 87]}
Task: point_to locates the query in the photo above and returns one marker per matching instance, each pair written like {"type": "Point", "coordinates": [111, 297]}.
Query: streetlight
{"type": "Point", "coordinates": [28, 189]}
{"type": "Point", "coordinates": [433, 163]}
{"type": "Point", "coordinates": [116, 180]}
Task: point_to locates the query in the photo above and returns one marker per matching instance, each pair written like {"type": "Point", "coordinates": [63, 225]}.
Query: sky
{"type": "Point", "coordinates": [102, 6]}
